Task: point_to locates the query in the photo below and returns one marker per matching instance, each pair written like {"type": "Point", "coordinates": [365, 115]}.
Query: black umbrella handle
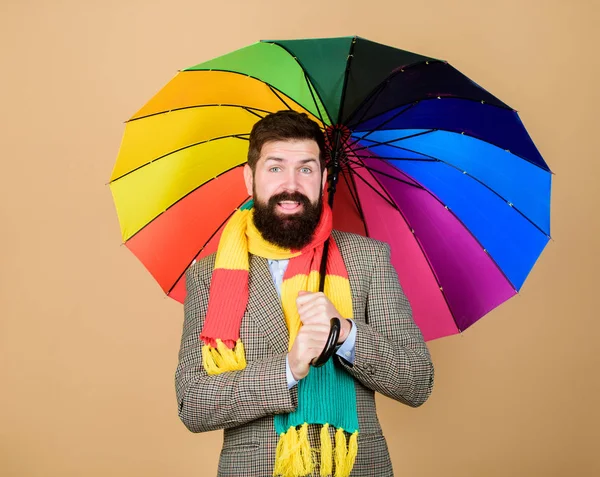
{"type": "Point", "coordinates": [336, 326]}
{"type": "Point", "coordinates": [332, 339]}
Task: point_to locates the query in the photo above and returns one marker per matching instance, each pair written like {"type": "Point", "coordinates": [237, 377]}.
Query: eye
{"type": "Point", "coordinates": [306, 170]}
{"type": "Point", "coordinates": [275, 169]}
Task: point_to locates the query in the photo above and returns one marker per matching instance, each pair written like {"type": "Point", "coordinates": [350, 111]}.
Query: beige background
{"type": "Point", "coordinates": [88, 343]}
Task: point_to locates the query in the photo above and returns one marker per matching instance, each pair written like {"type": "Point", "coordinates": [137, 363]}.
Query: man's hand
{"type": "Point", "coordinates": [315, 311]}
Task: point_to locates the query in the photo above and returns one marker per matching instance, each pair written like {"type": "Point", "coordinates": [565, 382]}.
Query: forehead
{"type": "Point", "coordinates": [290, 151]}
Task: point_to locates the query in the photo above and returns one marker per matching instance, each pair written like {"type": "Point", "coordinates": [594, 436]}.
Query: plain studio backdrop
{"type": "Point", "coordinates": [88, 342]}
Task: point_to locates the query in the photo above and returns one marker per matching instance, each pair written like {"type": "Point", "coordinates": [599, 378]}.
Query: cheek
{"type": "Point", "coordinates": [264, 189]}
{"type": "Point", "coordinates": [315, 188]}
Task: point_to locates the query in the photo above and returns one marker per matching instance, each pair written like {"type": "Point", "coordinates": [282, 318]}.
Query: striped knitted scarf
{"type": "Point", "coordinates": [326, 396]}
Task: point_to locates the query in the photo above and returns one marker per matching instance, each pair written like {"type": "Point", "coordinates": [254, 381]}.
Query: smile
{"type": "Point", "coordinates": [289, 205]}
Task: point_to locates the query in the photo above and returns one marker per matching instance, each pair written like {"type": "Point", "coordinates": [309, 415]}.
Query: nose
{"type": "Point", "coordinates": [290, 183]}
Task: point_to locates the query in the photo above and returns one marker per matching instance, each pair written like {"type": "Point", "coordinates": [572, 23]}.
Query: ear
{"type": "Point", "coordinates": [324, 180]}
{"type": "Point", "coordinates": [248, 179]}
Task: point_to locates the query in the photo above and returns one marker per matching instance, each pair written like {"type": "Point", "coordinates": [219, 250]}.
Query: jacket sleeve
{"type": "Point", "coordinates": [232, 398]}
{"type": "Point", "coordinates": [391, 356]}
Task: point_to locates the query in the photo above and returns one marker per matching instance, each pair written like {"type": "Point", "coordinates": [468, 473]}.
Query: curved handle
{"type": "Point", "coordinates": [332, 339]}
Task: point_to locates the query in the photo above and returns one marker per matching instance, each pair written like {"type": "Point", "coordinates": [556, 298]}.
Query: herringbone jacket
{"type": "Point", "coordinates": [391, 358]}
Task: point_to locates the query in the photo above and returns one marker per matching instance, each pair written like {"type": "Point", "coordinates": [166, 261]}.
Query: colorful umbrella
{"type": "Point", "coordinates": [428, 162]}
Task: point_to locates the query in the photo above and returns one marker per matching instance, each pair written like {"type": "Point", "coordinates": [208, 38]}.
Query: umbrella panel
{"type": "Point", "coordinates": [169, 244]}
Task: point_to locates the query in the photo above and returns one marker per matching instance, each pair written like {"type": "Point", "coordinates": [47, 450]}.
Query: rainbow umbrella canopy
{"type": "Point", "coordinates": [426, 160]}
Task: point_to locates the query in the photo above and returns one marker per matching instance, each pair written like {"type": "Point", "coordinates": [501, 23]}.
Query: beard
{"type": "Point", "coordinates": [293, 231]}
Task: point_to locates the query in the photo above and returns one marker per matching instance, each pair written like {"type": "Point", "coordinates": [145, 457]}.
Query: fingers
{"type": "Point", "coordinates": [308, 345]}
{"type": "Point", "coordinates": [317, 333]}
{"type": "Point", "coordinates": [311, 340]}
{"type": "Point", "coordinates": [310, 304]}
{"type": "Point", "coordinates": [305, 297]}
{"type": "Point", "coordinates": [315, 314]}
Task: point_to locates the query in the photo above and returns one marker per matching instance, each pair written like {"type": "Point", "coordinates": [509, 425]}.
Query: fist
{"type": "Point", "coordinates": [315, 311]}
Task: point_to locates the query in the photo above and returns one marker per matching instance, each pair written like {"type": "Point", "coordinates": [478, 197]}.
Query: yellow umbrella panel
{"type": "Point", "coordinates": [178, 176]}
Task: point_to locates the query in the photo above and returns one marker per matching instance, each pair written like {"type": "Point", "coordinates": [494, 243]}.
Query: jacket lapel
{"type": "Point", "coordinates": [264, 305]}
{"type": "Point", "coordinates": [355, 278]}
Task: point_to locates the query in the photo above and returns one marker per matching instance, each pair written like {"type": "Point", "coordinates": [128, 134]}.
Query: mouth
{"type": "Point", "coordinates": [289, 206]}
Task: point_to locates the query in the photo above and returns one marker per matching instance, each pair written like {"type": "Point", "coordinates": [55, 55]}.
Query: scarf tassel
{"type": "Point", "coordinates": [326, 452]}
{"type": "Point", "coordinates": [221, 359]}
{"type": "Point", "coordinates": [293, 457]}
{"type": "Point", "coordinates": [345, 455]}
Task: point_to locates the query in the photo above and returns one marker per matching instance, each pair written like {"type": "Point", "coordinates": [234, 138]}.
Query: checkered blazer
{"type": "Point", "coordinates": [391, 358]}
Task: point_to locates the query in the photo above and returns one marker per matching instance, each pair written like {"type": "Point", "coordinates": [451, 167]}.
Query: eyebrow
{"type": "Point", "coordinates": [279, 159]}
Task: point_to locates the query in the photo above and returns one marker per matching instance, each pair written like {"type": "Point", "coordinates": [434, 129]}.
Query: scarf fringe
{"type": "Point", "coordinates": [221, 359]}
{"type": "Point", "coordinates": [345, 456]}
{"type": "Point", "coordinates": [295, 458]}
{"type": "Point", "coordinates": [326, 452]}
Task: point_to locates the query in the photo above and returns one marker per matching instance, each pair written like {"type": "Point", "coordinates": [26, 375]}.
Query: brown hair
{"type": "Point", "coordinates": [284, 125]}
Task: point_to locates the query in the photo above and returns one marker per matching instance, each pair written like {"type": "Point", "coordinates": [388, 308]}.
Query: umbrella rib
{"type": "Point", "coordinates": [393, 204]}
{"type": "Point", "coordinates": [419, 244]}
{"type": "Point", "coordinates": [183, 197]}
{"type": "Point", "coordinates": [377, 128]}
{"type": "Point", "coordinates": [435, 276]}
{"type": "Point", "coordinates": [420, 186]}
{"type": "Point", "coordinates": [371, 169]}
{"type": "Point", "coordinates": [205, 244]}
{"type": "Point", "coordinates": [286, 105]}
{"type": "Point", "coordinates": [436, 98]}
{"type": "Point", "coordinates": [310, 88]}
{"type": "Point", "coordinates": [398, 71]}
{"type": "Point", "coordinates": [387, 199]}
{"type": "Point", "coordinates": [247, 108]}
{"type": "Point", "coordinates": [462, 133]}
{"type": "Point", "coordinates": [375, 92]}
{"type": "Point", "coordinates": [381, 86]}
{"type": "Point", "coordinates": [435, 159]}
{"type": "Point", "coordinates": [237, 136]}
{"type": "Point", "coordinates": [306, 78]}
{"type": "Point", "coordinates": [196, 106]}
{"type": "Point", "coordinates": [389, 143]}
{"type": "Point", "coordinates": [274, 91]}
{"type": "Point", "coordinates": [270, 86]}
{"type": "Point", "coordinates": [354, 195]}
{"type": "Point", "coordinates": [414, 103]}
{"type": "Point", "coordinates": [346, 74]}
{"type": "Point", "coordinates": [390, 158]}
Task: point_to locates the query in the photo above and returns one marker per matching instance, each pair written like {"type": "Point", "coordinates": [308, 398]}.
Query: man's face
{"type": "Point", "coordinates": [287, 187]}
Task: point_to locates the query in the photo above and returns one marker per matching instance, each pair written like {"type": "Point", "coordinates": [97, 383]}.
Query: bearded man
{"type": "Point", "coordinates": [254, 322]}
